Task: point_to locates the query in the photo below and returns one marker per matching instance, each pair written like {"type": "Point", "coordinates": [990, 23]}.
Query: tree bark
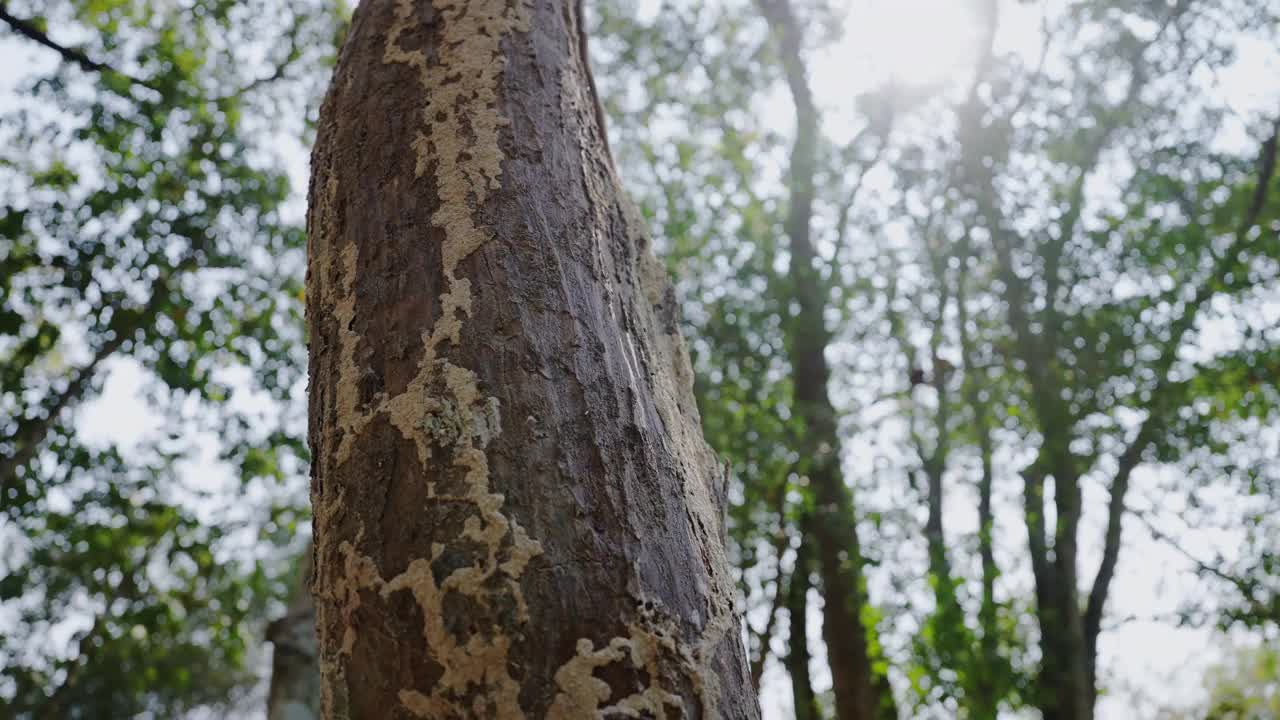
{"type": "Point", "coordinates": [515, 512]}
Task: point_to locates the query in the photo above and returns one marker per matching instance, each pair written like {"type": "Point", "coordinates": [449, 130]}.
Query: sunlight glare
{"type": "Point", "coordinates": [917, 43]}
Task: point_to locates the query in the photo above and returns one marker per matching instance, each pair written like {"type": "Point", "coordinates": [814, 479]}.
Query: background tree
{"type": "Point", "coordinates": [918, 272]}
{"type": "Point", "coordinates": [859, 678]}
{"type": "Point", "coordinates": [144, 230]}
{"type": "Point", "coordinates": [1105, 369]}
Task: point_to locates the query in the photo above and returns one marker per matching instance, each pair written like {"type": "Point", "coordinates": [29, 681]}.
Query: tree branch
{"type": "Point", "coordinates": [779, 596]}
{"type": "Point", "coordinates": [75, 56]}
{"type": "Point", "coordinates": [1244, 586]}
{"type": "Point", "coordinates": [1130, 457]}
{"type": "Point", "coordinates": [32, 435]}
{"type": "Point", "coordinates": [124, 322]}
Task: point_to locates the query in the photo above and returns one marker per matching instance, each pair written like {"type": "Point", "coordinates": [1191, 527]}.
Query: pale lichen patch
{"type": "Point", "coordinates": [359, 573]}
{"type": "Point", "coordinates": [582, 695]}
{"type": "Point", "coordinates": [480, 662]}
{"type": "Point", "coordinates": [346, 390]}
{"type": "Point", "coordinates": [443, 408]}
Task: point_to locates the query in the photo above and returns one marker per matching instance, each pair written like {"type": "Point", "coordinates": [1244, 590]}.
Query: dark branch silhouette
{"type": "Point", "coordinates": [75, 56]}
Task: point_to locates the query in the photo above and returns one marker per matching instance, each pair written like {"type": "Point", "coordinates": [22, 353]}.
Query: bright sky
{"type": "Point", "coordinates": [913, 42]}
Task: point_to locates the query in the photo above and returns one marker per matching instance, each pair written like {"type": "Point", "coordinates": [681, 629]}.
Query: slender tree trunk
{"type": "Point", "coordinates": [952, 637]}
{"type": "Point", "coordinates": [860, 693]}
{"type": "Point", "coordinates": [295, 671]}
{"type": "Point", "coordinates": [1062, 692]}
{"type": "Point", "coordinates": [765, 639]}
{"type": "Point", "coordinates": [802, 696]}
{"type": "Point", "coordinates": [988, 688]}
{"type": "Point", "coordinates": [515, 512]}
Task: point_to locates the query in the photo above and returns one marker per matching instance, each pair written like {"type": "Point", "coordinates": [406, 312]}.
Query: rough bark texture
{"type": "Point", "coordinates": [515, 512]}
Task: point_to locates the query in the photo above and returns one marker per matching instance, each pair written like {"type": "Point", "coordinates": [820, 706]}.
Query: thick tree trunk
{"type": "Point", "coordinates": [515, 512]}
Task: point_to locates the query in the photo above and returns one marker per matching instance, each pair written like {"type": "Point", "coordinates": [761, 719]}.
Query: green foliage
{"type": "Point", "coordinates": [1066, 251]}
{"type": "Point", "coordinates": [1246, 686]}
{"type": "Point", "coordinates": [146, 222]}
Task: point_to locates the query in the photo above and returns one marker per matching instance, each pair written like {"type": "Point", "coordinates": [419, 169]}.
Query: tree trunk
{"type": "Point", "coordinates": [515, 512]}
{"type": "Point", "coordinates": [991, 682]}
{"type": "Point", "coordinates": [295, 674]}
{"type": "Point", "coordinates": [765, 639]}
{"type": "Point", "coordinates": [802, 695]}
{"type": "Point", "coordinates": [861, 693]}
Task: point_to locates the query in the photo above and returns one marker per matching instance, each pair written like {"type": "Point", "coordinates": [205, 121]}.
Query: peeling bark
{"type": "Point", "coordinates": [515, 512]}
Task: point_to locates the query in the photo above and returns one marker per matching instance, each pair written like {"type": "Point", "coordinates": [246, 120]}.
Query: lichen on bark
{"type": "Point", "coordinates": [459, 142]}
{"type": "Point", "coordinates": [495, 348]}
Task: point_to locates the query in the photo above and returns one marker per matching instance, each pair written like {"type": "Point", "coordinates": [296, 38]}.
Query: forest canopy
{"type": "Point", "coordinates": [982, 299]}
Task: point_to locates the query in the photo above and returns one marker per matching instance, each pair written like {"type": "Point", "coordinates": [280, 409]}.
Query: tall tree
{"type": "Point", "coordinates": [515, 512]}
{"type": "Point", "coordinates": [861, 691]}
{"type": "Point", "coordinates": [1107, 334]}
{"type": "Point", "coordinates": [947, 408]}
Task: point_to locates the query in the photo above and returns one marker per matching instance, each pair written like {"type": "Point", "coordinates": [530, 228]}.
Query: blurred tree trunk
{"type": "Point", "coordinates": [1064, 686]}
{"type": "Point", "coordinates": [797, 661]}
{"type": "Point", "coordinates": [515, 512]}
{"type": "Point", "coordinates": [993, 671]}
{"type": "Point", "coordinates": [861, 693]}
{"type": "Point", "coordinates": [295, 673]}
{"type": "Point", "coordinates": [765, 638]}
{"type": "Point", "coordinates": [1067, 682]}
